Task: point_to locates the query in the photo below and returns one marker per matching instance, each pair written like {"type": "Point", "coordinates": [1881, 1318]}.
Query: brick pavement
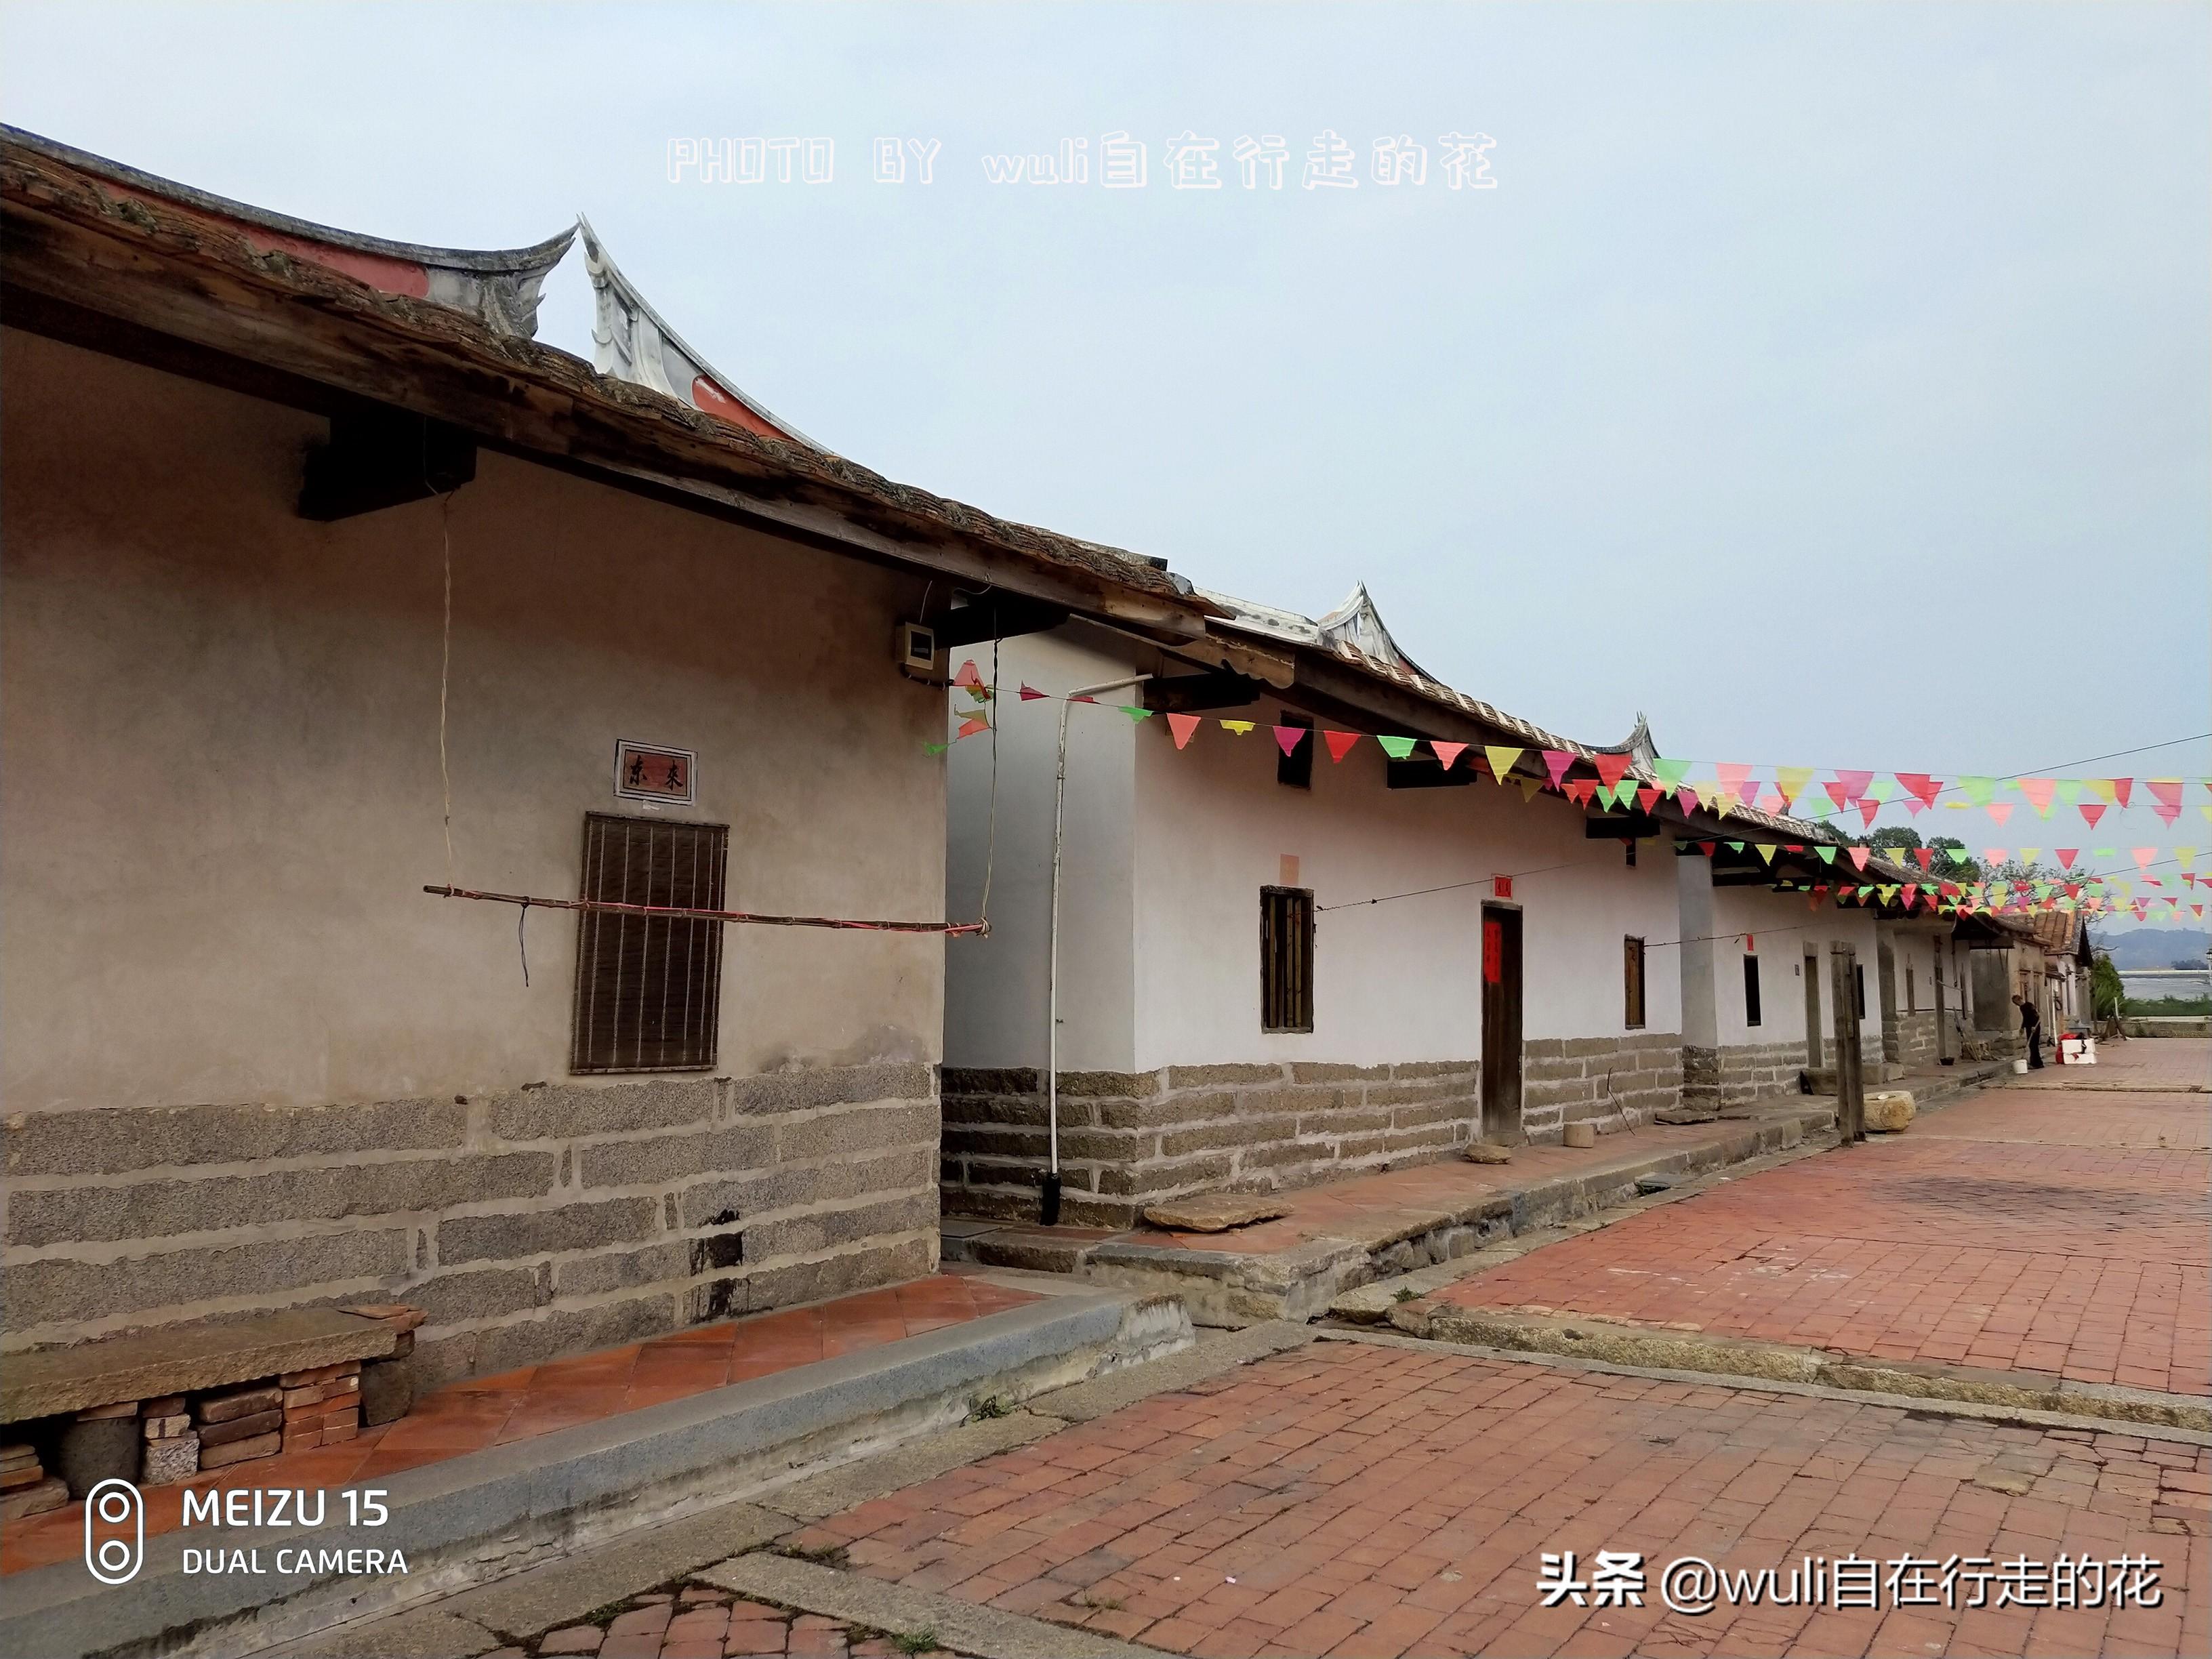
{"type": "Point", "coordinates": [2057, 1229]}
{"type": "Point", "coordinates": [701, 1622]}
{"type": "Point", "coordinates": [1355, 1499]}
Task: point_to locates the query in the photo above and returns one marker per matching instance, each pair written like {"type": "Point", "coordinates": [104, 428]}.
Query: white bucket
{"type": "Point", "coordinates": [2020, 1068]}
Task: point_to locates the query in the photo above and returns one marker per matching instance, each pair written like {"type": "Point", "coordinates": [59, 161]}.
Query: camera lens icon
{"type": "Point", "coordinates": [114, 1532]}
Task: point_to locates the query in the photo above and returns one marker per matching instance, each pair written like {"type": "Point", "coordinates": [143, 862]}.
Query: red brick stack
{"type": "Point", "coordinates": [321, 1406]}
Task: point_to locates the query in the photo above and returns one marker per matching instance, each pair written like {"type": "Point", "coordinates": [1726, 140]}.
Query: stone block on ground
{"type": "Point", "coordinates": [1488, 1151]}
{"type": "Point", "coordinates": [49, 1494]}
{"type": "Point", "coordinates": [1579, 1135]}
{"type": "Point", "coordinates": [1214, 1213]}
{"type": "Point", "coordinates": [16, 1478]}
{"type": "Point", "coordinates": [171, 1459]}
{"type": "Point", "coordinates": [104, 1448]}
{"type": "Point", "coordinates": [1679, 1115]}
{"type": "Point", "coordinates": [1888, 1110]}
{"type": "Point", "coordinates": [387, 1390]}
{"type": "Point", "coordinates": [164, 1428]}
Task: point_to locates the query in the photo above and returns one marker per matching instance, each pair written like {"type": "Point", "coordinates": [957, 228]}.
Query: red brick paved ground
{"type": "Point", "coordinates": [1359, 1500]}
{"type": "Point", "coordinates": [2058, 1229]}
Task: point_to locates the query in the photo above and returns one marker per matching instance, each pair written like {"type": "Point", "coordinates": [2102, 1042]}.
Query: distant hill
{"type": "Point", "coordinates": [2154, 947]}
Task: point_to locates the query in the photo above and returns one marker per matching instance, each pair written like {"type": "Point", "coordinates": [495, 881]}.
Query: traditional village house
{"type": "Point", "coordinates": [1275, 966]}
{"type": "Point", "coordinates": [253, 466]}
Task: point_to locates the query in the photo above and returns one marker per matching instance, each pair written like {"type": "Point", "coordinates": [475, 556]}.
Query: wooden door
{"type": "Point", "coordinates": [1501, 1022]}
{"type": "Point", "coordinates": [1812, 972]}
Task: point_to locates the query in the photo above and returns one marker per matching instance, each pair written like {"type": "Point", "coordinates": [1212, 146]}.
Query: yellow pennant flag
{"type": "Point", "coordinates": [1242, 728]}
{"type": "Point", "coordinates": [1502, 761]}
{"type": "Point", "coordinates": [1793, 781]}
{"type": "Point", "coordinates": [1531, 788]}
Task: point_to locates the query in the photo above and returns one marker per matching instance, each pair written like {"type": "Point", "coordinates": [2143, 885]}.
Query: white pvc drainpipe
{"type": "Point", "coordinates": [1050, 1210]}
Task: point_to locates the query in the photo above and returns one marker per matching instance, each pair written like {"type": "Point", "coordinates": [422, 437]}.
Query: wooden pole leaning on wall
{"type": "Point", "coordinates": [1850, 1086]}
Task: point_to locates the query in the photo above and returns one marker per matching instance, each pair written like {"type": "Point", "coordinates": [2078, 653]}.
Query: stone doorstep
{"type": "Point", "coordinates": [505, 1507]}
{"type": "Point", "coordinates": [1622, 1342]}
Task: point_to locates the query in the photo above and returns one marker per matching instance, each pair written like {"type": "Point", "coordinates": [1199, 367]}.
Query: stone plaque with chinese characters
{"type": "Point", "coordinates": [650, 771]}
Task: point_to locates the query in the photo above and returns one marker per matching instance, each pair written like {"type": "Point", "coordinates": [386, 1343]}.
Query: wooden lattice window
{"type": "Point", "coordinates": [1632, 978]}
{"type": "Point", "coordinates": [649, 989]}
{"type": "Point", "coordinates": [1286, 959]}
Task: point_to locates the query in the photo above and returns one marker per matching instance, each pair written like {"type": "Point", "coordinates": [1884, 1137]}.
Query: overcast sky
{"type": "Point", "coordinates": [1831, 383]}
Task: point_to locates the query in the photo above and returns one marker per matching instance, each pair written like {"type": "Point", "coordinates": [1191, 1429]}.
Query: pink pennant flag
{"type": "Point", "coordinates": [1611, 769]}
{"type": "Point", "coordinates": [1448, 752]}
{"type": "Point", "coordinates": [2168, 793]}
{"type": "Point", "coordinates": [1287, 738]}
{"type": "Point", "coordinates": [1911, 890]}
{"type": "Point", "coordinates": [1999, 810]}
{"type": "Point", "coordinates": [1340, 743]}
{"type": "Point", "coordinates": [2121, 789]}
{"type": "Point", "coordinates": [1923, 856]}
{"type": "Point", "coordinates": [2144, 856]}
{"type": "Point", "coordinates": [1771, 804]}
{"type": "Point", "coordinates": [1840, 793]}
{"type": "Point", "coordinates": [2093, 810]}
{"type": "Point", "coordinates": [1855, 785]}
{"type": "Point", "coordinates": [1030, 693]}
{"type": "Point", "coordinates": [2067, 855]}
{"type": "Point", "coordinates": [1858, 856]}
{"type": "Point", "coordinates": [1646, 798]}
{"type": "Point", "coordinates": [1083, 698]}
{"type": "Point", "coordinates": [1687, 798]}
{"type": "Point", "coordinates": [1732, 776]}
{"type": "Point", "coordinates": [1919, 786]}
{"type": "Point", "coordinates": [2039, 792]}
{"type": "Point", "coordinates": [969, 727]}
{"type": "Point", "coordinates": [1557, 763]}
{"type": "Point", "coordinates": [1867, 810]}
{"type": "Point", "coordinates": [1182, 726]}
{"type": "Point", "coordinates": [1993, 854]}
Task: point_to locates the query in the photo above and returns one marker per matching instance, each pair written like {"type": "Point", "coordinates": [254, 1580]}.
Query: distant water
{"type": "Point", "coordinates": [2169, 982]}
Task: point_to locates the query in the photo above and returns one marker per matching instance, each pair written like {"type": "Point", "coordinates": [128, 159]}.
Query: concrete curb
{"type": "Point", "coordinates": [2022, 1417]}
{"type": "Point", "coordinates": [509, 1507]}
{"type": "Point", "coordinates": [986, 1632]}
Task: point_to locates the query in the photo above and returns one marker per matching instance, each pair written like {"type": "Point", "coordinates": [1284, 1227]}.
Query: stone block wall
{"type": "Point", "coordinates": [1128, 1139]}
{"type": "Point", "coordinates": [1618, 1081]}
{"type": "Point", "coordinates": [548, 1220]}
{"type": "Point", "coordinates": [1909, 1039]}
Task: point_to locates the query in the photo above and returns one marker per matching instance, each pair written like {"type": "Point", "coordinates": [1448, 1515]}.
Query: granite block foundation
{"type": "Point", "coordinates": [1129, 1139]}
{"type": "Point", "coordinates": [543, 1221]}
{"type": "Point", "coordinates": [1612, 1083]}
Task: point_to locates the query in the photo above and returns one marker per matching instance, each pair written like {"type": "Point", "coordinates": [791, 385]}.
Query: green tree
{"type": "Point", "coordinates": [2106, 991]}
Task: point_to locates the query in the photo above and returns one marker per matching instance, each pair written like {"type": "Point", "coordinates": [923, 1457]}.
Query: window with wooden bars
{"type": "Point", "coordinates": [649, 989]}
{"type": "Point", "coordinates": [1287, 958]}
{"type": "Point", "coordinates": [1632, 979]}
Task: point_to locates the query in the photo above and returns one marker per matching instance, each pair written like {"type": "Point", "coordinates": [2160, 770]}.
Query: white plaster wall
{"type": "Point", "coordinates": [221, 743]}
{"type": "Point", "coordinates": [1393, 981]}
{"type": "Point", "coordinates": [1783, 928]}
{"type": "Point", "coordinates": [995, 988]}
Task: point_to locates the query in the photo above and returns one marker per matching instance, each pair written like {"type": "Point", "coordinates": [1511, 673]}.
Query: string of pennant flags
{"type": "Point", "coordinates": [1733, 785]}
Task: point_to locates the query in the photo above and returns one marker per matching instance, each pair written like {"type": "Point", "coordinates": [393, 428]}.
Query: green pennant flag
{"type": "Point", "coordinates": [1134, 713]}
{"type": "Point", "coordinates": [1978, 790]}
{"type": "Point", "coordinates": [1735, 846]}
{"type": "Point", "coordinates": [937, 748]}
{"type": "Point", "coordinates": [1397, 747]}
{"type": "Point", "coordinates": [1827, 854]}
{"type": "Point", "coordinates": [1671, 774]}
